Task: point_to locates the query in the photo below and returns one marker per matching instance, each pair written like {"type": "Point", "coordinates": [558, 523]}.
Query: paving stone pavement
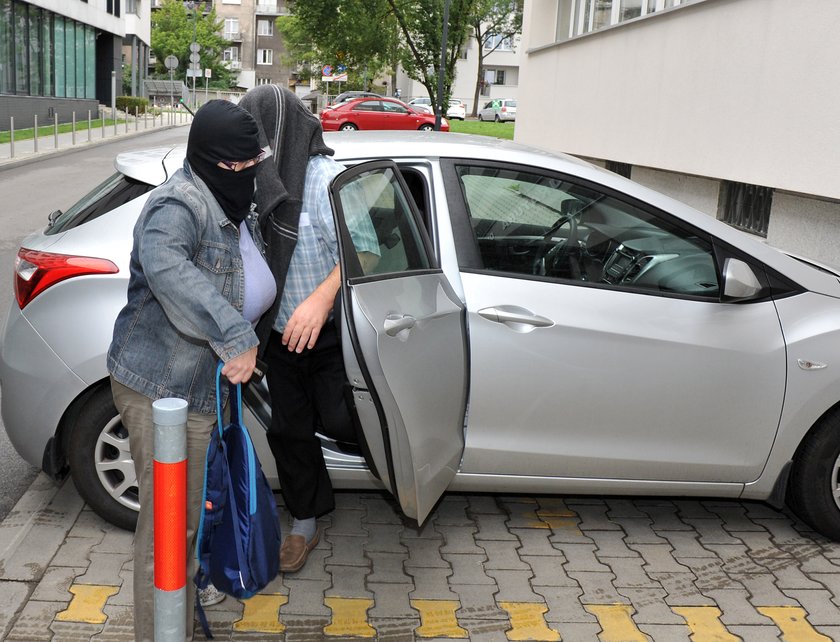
{"type": "Point", "coordinates": [483, 567]}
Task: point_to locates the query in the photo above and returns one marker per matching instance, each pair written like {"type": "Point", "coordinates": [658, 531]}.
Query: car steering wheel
{"type": "Point", "coordinates": [551, 260]}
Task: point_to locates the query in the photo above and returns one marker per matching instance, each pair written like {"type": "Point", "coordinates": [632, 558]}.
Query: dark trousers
{"type": "Point", "coordinates": [307, 395]}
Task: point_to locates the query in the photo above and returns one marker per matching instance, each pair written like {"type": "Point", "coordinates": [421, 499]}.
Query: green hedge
{"type": "Point", "coordinates": [130, 103]}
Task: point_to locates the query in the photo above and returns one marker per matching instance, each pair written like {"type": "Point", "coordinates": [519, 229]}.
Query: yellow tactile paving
{"type": "Point", "coordinates": [616, 623]}
{"type": "Point", "coordinates": [793, 623]}
{"type": "Point", "coordinates": [437, 619]}
{"type": "Point", "coordinates": [349, 617]}
{"type": "Point", "coordinates": [704, 624]}
{"type": "Point", "coordinates": [527, 621]}
{"type": "Point", "coordinates": [87, 603]}
{"type": "Point", "coordinates": [262, 614]}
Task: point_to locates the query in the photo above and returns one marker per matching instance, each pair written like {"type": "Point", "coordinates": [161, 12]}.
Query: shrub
{"type": "Point", "coordinates": [130, 103]}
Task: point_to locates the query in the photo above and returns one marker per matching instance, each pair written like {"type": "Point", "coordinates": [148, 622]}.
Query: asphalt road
{"type": "Point", "coordinates": [28, 194]}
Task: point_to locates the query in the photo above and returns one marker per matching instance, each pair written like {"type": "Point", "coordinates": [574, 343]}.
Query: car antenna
{"type": "Point", "coordinates": [181, 100]}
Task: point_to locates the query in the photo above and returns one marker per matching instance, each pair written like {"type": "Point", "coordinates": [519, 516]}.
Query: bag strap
{"type": "Point", "coordinates": [235, 396]}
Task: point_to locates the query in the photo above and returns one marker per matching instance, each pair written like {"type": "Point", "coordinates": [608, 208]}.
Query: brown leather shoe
{"type": "Point", "coordinates": [295, 550]}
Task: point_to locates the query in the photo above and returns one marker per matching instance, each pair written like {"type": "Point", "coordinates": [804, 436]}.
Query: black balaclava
{"type": "Point", "coordinates": [222, 131]}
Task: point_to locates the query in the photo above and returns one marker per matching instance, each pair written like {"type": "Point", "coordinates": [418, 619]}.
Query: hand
{"type": "Point", "coordinates": [305, 324]}
{"type": "Point", "coordinates": [239, 369]}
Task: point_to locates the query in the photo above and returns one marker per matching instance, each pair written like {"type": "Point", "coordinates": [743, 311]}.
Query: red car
{"type": "Point", "coordinates": [377, 113]}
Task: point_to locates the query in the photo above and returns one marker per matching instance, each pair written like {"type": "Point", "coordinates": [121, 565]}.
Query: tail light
{"type": "Point", "coordinates": [504, 110]}
{"type": "Point", "coordinates": [36, 271]}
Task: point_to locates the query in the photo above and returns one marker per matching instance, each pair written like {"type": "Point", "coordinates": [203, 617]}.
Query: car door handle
{"type": "Point", "coordinates": [515, 314]}
{"type": "Point", "coordinates": [396, 323]}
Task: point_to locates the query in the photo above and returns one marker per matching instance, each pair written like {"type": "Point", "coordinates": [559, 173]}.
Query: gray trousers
{"type": "Point", "coordinates": [136, 412]}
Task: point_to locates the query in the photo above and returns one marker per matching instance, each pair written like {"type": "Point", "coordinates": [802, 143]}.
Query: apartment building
{"type": "Point", "coordinates": [57, 56]}
{"type": "Point", "coordinates": [728, 105]}
{"type": "Point", "coordinates": [500, 78]}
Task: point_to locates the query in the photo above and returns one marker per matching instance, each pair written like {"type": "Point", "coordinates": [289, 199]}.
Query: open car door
{"type": "Point", "coordinates": [405, 340]}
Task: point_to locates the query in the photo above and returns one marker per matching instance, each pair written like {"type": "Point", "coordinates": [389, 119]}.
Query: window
{"type": "Point", "coordinates": [368, 105]}
{"type": "Point", "coordinates": [231, 54]}
{"type": "Point", "coordinates": [265, 27]}
{"type": "Point", "coordinates": [549, 227]}
{"type": "Point", "coordinates": [265, 56]}
{"type": "Point", "coordinates": [498, 43]}
{"type": "Point", "coordinates": [393, 108]}
{"type": "Point", "coordinates": [231, 31]}
{"type": "Point", "coordinates": [745, 206]}
{"type": "Point", "coordinates": [577, 17]}
{"type": "Point", "coordinates": [132, 7]}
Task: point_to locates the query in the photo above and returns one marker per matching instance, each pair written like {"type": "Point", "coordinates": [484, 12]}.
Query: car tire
{"type": "Point", "coordinates": [815, 477]}
{"type": "Point", "coordinates": [348, 127]}
{"type": "Point", "coordinates": [498, 120]}
{"type": "Point", "coordinates": [426, 127]}
{"type": "Point", "coordinates": [98, 437]}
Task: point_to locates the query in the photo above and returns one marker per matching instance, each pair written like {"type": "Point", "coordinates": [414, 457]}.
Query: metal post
{"type": "Point", "coordinates": [12, 136]}
{"type": "Point", "coordinates": [442, 70]}
{"type": "Point", "coordinates": [55, 129]}
{"type": "Point", "coordinates": [114, 99]}
{"type": "Point", "coordinates": [74, 128]}
{"type": "Point", "coordinates": [169, 470]}
{"type": "Point", "coordinates": [136, 122]}
{"type": "Point", "coordinates": [35, 139]}
{"type": "Point", "coordinates": [90, 127]}
{"type": "Point", "coordinates": [102, 114]}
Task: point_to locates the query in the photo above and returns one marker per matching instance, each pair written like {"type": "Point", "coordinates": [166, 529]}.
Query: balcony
{"type": "Point", "coordinates": [267, 7]}
{"type": "Point", "coordinates": [233, 64]}
{"type": "Point", "coordinates": [232, 36]}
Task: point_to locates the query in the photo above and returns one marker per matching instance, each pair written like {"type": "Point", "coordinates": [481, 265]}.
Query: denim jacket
{"type": "Point", "coordinates": [185, 296]}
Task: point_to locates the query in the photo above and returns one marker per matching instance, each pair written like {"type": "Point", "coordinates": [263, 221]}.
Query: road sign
{"type": "Point", "coordinates": [208, 73]}
{"type": "Point", "coordinates": [195, 47]}
{"type": "Point", "coordinates": [194, 57]}
{"type": "Point", "coordinates": [171, 62]}
{"type": "Point", "coordinates": [340, 68]}
{"type": "Point", "coordinates": [340, 77]}
{"type": "Point", "coordinates": [326, 70]}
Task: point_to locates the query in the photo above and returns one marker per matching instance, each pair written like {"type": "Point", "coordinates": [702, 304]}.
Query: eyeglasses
{"type": "Point", "coordinates": [238, 166]}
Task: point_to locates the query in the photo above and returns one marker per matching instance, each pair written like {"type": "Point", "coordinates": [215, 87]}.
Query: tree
{"type": "Point", "coordinates": [421, 27]}
{"type": "Point", "coordinates": [173, 30]}
{"type": "Point", "coordinates": [358, 34]}
{"type": "Point", "coordinates": [497, 19]}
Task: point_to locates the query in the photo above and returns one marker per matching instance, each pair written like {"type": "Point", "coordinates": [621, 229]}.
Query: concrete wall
{"type": "Point", "coordinates": [745, 90]}
{"type": "Point", "coordinates": [24, 108]}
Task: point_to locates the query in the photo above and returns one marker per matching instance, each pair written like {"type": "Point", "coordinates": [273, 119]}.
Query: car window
{"type": "Point", "coordinates": [531, 224]}
{"type": "Point", "coordinates": [394, 108]}
{"type": "Point", "coordinates": [116, 190]}
{"type": "Point", "coordinates": [510, 103]}
{"type": "Point", "coordinates": [368, 105]}
{"type": "Point", "coordinates": [375, 202]}
{"type": "Point", "coordinates": [488, 105]}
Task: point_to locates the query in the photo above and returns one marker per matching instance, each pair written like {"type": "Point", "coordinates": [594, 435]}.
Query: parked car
{"type": "Point", "coordinates": [606, 339]}
{"type": "Point", "coordinates": [350, 95]}
{"type": "Point", "coordinates": [499, 110]}
{"type": "Point", "coordinates": [380, 113]}
{"type": "Point", "coordinates": [457, 109]}
{"type": "Point", "coordinates": [422, 104]}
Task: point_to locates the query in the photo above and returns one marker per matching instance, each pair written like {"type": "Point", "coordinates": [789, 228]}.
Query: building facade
{"type": "Point", "coordinates": [499, 80]}
{"type": "Point", "coordinates": [57, 56]}
{"type": "Point", "coordinates": [256, 48]}
{"type": "Point", "coordinates": [728, 105]}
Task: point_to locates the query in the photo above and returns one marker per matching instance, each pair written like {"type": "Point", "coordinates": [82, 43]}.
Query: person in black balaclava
{"type": "Point", "coordinates": [198, 283]}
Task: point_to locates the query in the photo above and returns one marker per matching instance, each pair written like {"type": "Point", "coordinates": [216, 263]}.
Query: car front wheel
{"type": "Point", "coordinates": [101, 462]}
{"type": "Point", "coordinates": [814, 485]}
{"type": "Point", "coordinates": [426, 127]}
{"type": "Point", "coordinates": [348, 127]}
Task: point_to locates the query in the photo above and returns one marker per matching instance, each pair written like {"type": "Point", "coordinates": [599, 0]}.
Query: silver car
{"type": "Point", "coordinates": [534, 324]}
{"type": "Point", "coordinates": [500, 110]}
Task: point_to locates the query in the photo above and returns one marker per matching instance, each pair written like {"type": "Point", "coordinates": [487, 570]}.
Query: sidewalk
{"type": "Point", "coordinates": [23, 152]}
{"type": "Point", "coordinates": [484, 567]}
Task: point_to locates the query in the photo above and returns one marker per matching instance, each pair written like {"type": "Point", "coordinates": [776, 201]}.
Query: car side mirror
{"type": "Point", "coordinates": [739, 281]}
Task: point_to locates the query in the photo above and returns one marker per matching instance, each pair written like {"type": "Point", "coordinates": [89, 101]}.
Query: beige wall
{"type": "Point", "coordinates": [746, 90]}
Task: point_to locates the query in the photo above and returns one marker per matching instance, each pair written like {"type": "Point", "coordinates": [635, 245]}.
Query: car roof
{"type": "Point", "coordinates": [154, 165]}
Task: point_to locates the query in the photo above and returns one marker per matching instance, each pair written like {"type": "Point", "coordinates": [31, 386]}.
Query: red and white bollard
{"type": "Point", "coordinates": [170, 504]}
